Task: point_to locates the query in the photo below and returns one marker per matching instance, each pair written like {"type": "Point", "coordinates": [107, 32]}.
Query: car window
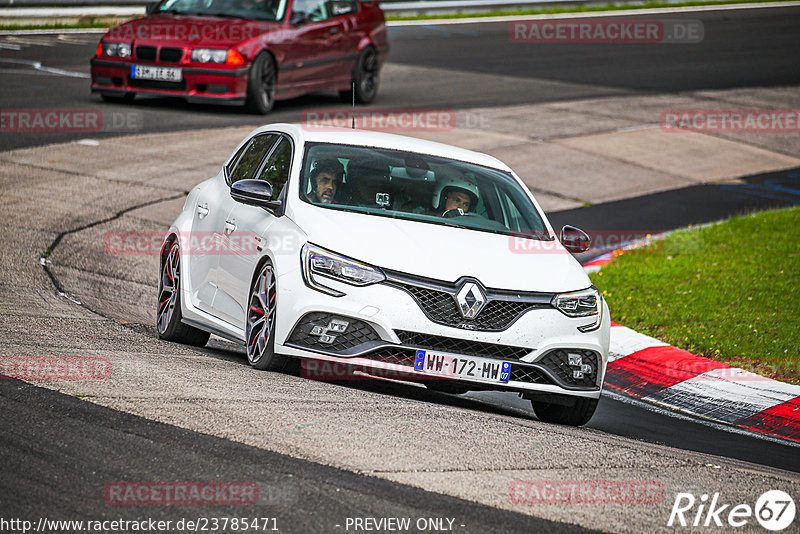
{"type": "Point", "coordinates": [314, 10]}
{"type": "Point", "coordinates": [418, 187]}
{"type": "Point", "coordinates": [247, 9]}
{"type": "Point", "coordinates": [277, 166]}
{"type": "Point", "coordinates": [250, 159]}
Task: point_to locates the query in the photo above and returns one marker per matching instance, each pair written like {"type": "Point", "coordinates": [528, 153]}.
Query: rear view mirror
{"type": "Point", "coordinates": [574, 239]}
{"type": "Point", "coordinates": [254, 193]}
{"type": "Point", "coordinates": [298, 18]}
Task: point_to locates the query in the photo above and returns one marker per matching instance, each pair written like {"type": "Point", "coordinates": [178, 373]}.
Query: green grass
{"type": "Point", "coordinates": [104, 22]}
{"type": "Point", "coordinates": [577, 9]}
{"type": "Point", "coordinates": [730, 292]}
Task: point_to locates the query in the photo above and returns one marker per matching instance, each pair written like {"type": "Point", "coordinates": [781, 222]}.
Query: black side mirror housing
{"type": "Point", "coordinates": [150, 7]}
{"type": "Point", "coordinates": [574, 239]}
{"type": "Point", "coordinates": [254, 193]}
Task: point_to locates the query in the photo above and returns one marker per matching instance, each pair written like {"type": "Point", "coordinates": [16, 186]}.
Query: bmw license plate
{"type": "Point", "coordinates": [151, 72]}
{"type": "Point", "coordinates": [455, 366]}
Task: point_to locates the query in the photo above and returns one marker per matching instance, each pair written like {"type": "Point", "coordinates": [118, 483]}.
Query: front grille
{"type": "Point", "coordinates": [146, 53]}
{"type": "Point", "coordinates": [437, 300]}
{"type": "Point", "coordinates": [393, 355]}
{"type": "Point", "coordinates": [530, 375]}
{"type": "Point", "coordinates": [170, 55]}
{"type": "Point", "coordinates": [154, 84]}
{"type": "Point", "coordinates": [461, 346]}
{"type": "Point", "coordinates": [357, 333]}
{"type": "Point", "coordinates": [557, 362]}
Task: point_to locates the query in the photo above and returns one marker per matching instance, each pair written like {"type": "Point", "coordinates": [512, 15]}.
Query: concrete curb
{"type": "Point", "coordinates": [645, 368]}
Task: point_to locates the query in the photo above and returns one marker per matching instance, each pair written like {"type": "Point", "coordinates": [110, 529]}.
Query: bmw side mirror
{"type": "Point", "coordinates": [150, 7]}
{"type": "Point", "coordinates": [298, 18]}
{"type": "Point", "coordinates": [574, 239]}
{"type": "Point", "coordinates": [254, 193]}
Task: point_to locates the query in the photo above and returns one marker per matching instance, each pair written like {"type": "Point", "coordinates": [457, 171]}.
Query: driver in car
{"type": "Point", "coordinates": [459, 193]}
{"type": "Point", "coordinates": [326, 178]}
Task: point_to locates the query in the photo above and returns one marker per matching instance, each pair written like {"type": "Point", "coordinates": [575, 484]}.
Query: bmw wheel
{"type": "Point", "coordinates": [261, 322]}
{"type": "Point", "coordinates": [168, 312]}
{"type": "Point", "coordinates": [261, 84]}
{"type": "Point", "coordinates": [366, 78]}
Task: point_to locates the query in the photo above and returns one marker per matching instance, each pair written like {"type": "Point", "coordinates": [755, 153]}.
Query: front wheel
{"type": "Point", "coordinates": [261, 84]}
{"type": "Point", "coordinates": [576, 415]}
{"type": "Point", "coordinates": [168, 312]}
{"type": "Point", "coordinates": [261, 322]}
{"type": "Point", "coordinates": [366, 78]}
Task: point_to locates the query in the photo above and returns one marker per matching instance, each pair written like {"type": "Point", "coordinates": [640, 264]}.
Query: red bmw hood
{"type": "Point", "coordinates": [193, 30]}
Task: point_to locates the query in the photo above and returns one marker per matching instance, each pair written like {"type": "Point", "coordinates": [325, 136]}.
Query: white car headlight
{"type": "Point", "coordinates": [209, 55]}
{"type": "Point", "coordinates": [585, 303]}
{"type": "Point", "coordinates": [117, 49]}
{"type": "Point", "coordinates": [318, 262]}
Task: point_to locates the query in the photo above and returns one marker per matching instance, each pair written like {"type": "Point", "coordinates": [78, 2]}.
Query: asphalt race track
{"type": "Point", "coordinates": [202, 414]}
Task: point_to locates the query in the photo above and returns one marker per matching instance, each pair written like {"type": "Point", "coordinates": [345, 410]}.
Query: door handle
{"type": "Point", "coordinates": [230, 227]}
{"type": "Point", "coordinates": [335, 29]}
{"type": "Point", "coordinates": [202, 210]}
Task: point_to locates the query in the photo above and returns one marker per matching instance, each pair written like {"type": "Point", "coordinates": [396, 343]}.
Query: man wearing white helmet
{"type": "Point", "coordinates": [457, 192]}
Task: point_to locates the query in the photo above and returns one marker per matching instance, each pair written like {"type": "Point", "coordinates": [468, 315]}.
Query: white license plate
{"type": "Point", "coordinates": [150, 72]}
{"type": "Point", "coordinates": [456, 366]}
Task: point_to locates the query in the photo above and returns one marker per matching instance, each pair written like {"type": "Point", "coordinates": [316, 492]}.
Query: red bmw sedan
{"type": "Point", "coordinates": [244, 52]}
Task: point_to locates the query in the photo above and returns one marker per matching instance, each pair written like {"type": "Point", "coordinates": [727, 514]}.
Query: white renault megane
{"type": "Point", "coordinates": [380, 250]}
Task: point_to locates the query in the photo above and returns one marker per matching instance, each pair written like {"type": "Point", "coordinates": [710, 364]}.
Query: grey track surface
{"type": "Point", "coordinates": [444, 67]}
{"type": "Point", "coordinates": [468, 448]}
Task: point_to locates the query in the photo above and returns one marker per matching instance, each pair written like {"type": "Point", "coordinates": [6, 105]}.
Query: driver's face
{"type": "Point", "coordinates": [326, 187]}
{"type": "Point", "coordinates": [457, 199]}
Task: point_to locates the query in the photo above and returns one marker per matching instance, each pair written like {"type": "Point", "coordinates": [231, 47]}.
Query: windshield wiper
{"type": "Point", "coordinates": [223, 15]}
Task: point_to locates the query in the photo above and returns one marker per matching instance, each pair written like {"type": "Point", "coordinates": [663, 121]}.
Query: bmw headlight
{"type": "Point", "coordinates": [209, 55]}
{"type": "Point", "coordinates": [117, 49]}
{"type": "Point", "coordinates": [585, 303]}
{"type": "Point", "coordinates": [318, 262]}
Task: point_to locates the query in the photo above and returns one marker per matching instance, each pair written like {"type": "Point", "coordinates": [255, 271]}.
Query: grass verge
{"type": "Point", "coordinates": [728, 292]}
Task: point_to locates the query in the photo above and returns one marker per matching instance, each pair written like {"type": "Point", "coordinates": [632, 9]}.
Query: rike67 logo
{"type": "Point", "coordinates": [774, 510]}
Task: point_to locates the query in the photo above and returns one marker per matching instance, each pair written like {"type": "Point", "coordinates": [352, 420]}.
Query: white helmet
{"type": "Point", "coordinates": [457, 181]}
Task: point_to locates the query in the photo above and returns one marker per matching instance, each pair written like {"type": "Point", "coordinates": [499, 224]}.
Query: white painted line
{"type": "Point", "coordinates": [625, 342]}
{"type": "Point", "coordinates": [593, 14]}
{"type": "Point", "coordinates": [37, 65]}
{"type": "Point", "coordinates": [719, 395]}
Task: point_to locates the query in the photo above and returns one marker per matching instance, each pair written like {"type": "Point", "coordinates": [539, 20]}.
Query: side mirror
{"type": "Point", "coordinates": [574, 239]}
{"type": "Point", "coordinates": [298, 18]}
{"type": "Point", "coordinates": [254, 193]}
{"type": "Point", "coordinates": [150, 7]}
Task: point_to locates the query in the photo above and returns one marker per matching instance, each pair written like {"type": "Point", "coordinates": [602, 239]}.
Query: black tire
{"type": "Point", "coordinates": [261, 83]}
{"type": "Point", "coordinates": [576, 415]}
{"type": "Point", "coordinates": [127, 98]}
{"type": "Point", "coordinates": [168, 307]}
{"type": "Point", "coordinates": [261, 313]}
{"type": "Point", "coordinates": [366, 78]}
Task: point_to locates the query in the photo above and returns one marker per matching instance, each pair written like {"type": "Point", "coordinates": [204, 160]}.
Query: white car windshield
{"type": "Point", "coordinates": [419, 187]}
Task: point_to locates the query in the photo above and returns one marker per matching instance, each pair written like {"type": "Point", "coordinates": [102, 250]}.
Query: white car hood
{"type": "Point", "coordinates": [444, 253]}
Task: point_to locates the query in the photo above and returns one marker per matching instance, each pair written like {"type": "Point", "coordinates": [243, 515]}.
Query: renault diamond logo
{"type": "Point", "coordinates": [470, 300]}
